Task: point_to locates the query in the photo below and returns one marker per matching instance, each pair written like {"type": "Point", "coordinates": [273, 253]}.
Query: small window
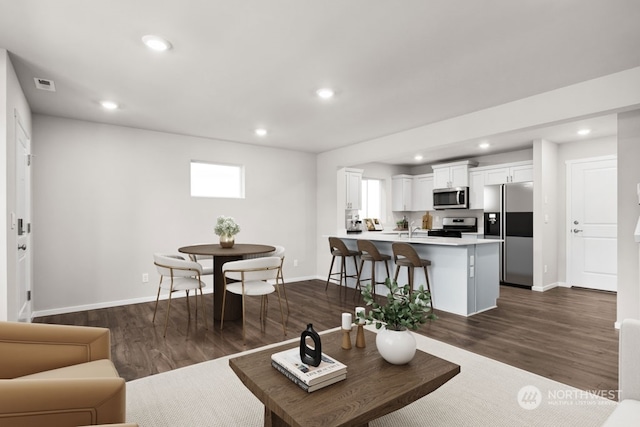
{"type": "Point", "coordinates": [214, 180]}
{"type": "Point", "coordinates": [371, 199]}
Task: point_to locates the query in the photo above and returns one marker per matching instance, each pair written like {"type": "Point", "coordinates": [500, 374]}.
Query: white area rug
{"type": "Point", "coordinates": [485, 393]}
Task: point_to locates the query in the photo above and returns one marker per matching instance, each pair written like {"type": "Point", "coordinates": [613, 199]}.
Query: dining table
{"type": "Point", "coordinates": [220, 255]}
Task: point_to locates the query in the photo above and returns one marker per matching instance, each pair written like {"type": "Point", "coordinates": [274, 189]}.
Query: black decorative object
{"type": "Point", "coordinates": [308, 355]}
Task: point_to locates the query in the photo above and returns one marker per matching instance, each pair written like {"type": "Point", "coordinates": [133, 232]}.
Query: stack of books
{"type": "Point", "coordinates": [309, 378]}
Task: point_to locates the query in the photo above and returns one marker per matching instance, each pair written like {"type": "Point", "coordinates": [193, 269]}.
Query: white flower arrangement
{"type": "Point", "coordinates": [226, 226]}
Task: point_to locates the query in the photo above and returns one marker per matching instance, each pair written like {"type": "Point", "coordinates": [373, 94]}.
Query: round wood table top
{"type": "Point", "coordinates": [238, 249]}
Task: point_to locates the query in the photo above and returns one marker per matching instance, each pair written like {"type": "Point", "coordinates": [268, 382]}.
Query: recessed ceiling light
{"type": "Point", "coordinates": [484, 145]}
{"type": "Point", "coordinates": [109, 105]}
{"type": "Point", "coordinates": [156, 43]}
{"type": "Point", "coordinates": [261, 132]}
{"type": "Point", "coordinates": [417, 157]}
{"type": "Point", "coordinates": [325, 93]}
{"type": "Point", "coordinates": [583, 132]}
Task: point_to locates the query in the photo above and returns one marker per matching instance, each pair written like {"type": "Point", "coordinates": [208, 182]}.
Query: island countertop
{"type": "Point", "coordinates": [419, 237]}
{"type": "Point", "coordinates": [464, 272]}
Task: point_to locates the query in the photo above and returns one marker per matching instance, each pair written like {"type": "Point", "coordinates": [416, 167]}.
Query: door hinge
{"type": "Point", "coordinates": [28, 295]}
{"type": "Point", "coordinates": [28, 159]}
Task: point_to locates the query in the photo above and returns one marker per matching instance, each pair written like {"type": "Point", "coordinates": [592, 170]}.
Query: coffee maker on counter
{"type": "Point", "coordinates": [353, 223]}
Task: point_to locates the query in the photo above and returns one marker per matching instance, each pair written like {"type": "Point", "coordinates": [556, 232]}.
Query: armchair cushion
{"type": "Point", "coordinates": [27, 348]}
{"type": "Point", "coordinates": [57, 375]}
{"type": "Point", "coordinates": [97, 369]}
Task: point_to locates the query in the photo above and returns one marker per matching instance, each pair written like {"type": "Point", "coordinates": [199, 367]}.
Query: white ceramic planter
{"type": "Point", "coordinates": [396, 347]}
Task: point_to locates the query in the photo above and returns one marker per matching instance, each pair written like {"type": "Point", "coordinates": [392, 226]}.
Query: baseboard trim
{"type": "Point", "coordinates": [546, 287]}
{"type": "Point", "coordinates": [117, 303]}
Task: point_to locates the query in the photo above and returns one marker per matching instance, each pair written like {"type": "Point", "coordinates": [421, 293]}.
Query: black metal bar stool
{"type": "Point", "coordinates": [339, 249]}
{"type": "Point", "coordinates": [370, 253]}
{"type": "Point", "coordinates": [404, 255]}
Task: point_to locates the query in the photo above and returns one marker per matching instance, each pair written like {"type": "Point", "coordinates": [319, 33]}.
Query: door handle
{"type": "Point", "coordinates": [575, 230]}
{"type": "Point", "coordinates": [23, 247]}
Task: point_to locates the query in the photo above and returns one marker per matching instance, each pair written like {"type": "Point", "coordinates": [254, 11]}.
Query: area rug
{"type": "Point", "coordinates": [485, 393]}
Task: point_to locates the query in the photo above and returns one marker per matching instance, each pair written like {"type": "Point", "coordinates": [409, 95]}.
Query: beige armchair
{"type": "Point", "coordinates": [56, 375]}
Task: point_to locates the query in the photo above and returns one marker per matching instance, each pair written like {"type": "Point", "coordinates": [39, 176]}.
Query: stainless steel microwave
{"type": "Point", "coordinates": [451, 198]}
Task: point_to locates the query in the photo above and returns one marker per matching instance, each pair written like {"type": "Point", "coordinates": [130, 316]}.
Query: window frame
{"type": "Point", "coordinates": [240, 185]}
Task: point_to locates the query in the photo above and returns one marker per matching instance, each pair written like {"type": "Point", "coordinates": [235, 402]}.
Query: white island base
{"type": "Point", "coordinates": [464, 273]}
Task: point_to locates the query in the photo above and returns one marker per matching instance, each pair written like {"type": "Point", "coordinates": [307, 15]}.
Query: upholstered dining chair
{"type": "Point", "coordinates": [181, 275]}
{"type": "Point", "coordinates": [252, 278]}
{"type": "Point", "coordinates": [206, 261]}
{"type": "Point", "coordinates": [279, 251]}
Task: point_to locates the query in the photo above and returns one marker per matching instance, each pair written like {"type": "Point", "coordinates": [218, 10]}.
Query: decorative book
{"type": "Point", "coordinates": [305, 387]}
{"type": "Point", "coordinates": [289, 360]}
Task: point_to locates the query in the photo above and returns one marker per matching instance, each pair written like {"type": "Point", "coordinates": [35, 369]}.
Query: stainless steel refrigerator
{"type": "Point", "coordinates": [508, 215]}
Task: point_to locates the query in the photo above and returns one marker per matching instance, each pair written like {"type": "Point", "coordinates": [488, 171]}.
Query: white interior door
{"type": "Point", "coordinates": [23, 222]}
{"type": "Point", "coordinates": [592, 224]}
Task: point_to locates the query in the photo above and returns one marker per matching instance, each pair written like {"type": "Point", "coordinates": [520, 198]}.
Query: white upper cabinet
{"type": "Point", "coordinates": [476, 189]}
{"type": "Point", "coordinates": [423, 192]}
{"type": "Point", "coordinates": [401, 193]}
{"type": "Point", "coordinates": [353, 187]}
{"type": "Point", "coordinates": [520, 172]}
{"type": "Point", "coordinates": [349, 189]}
{"type": "Point", "coordinates": [449, 175]}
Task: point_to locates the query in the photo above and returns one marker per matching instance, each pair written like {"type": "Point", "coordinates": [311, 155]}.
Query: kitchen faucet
{"type": "Point", "coordinates": [412, 229]}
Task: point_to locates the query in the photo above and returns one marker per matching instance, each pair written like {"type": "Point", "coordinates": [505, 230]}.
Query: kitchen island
{"type": "Point", "coordinates": [464, 272]}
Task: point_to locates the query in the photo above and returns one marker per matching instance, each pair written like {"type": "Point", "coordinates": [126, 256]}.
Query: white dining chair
{"type": "Point", "coordinates": [252, 278]}
{"type": "Point", "coordinates": [206, 261]}
{"type": "Point", "coordinates": [183, 275]}
{"type": "Point", "coordinates": [277, 252]}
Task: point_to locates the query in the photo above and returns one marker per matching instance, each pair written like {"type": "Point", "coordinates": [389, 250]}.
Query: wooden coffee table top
{"type": "Point", "coordinates": [373, 387]}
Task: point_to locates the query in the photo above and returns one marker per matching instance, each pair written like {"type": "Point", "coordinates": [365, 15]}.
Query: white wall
{"type": "Point", "coordinates": [628, 213]}
{"type": "Point", "coordinates": [12, 103]}
{"type": "Point", "coordinates": [107, 197]}
{"type": "Point", "coordinates": [545, 222]}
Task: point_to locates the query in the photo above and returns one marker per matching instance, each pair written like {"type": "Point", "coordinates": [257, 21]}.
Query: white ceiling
{"type": "Point", "coordinates": [238, 65]}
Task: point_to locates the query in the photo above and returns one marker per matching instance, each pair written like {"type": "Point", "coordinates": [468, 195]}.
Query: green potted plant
{"type": "Point", "coordinates": [404, 311]}
{"type": "Point", "coordinates": [226, 228]}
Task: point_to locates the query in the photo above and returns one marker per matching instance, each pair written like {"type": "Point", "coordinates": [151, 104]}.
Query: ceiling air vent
{"type": "Point", "coordinates": [45, 84]}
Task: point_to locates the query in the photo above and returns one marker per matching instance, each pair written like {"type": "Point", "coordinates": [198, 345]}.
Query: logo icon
{"type": "Point", "coordinates": [529, 397]}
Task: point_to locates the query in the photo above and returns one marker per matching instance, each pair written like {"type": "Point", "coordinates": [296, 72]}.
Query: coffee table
{"type": "Point", "coordinates": [373, 387]}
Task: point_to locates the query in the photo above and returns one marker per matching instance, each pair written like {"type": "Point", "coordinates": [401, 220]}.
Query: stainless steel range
{"type": "Point", "coordinates": [454, 227]}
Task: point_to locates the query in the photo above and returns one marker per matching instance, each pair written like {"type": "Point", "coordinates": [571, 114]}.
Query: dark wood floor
{"type": "Point", "coordinates": [564, 334]}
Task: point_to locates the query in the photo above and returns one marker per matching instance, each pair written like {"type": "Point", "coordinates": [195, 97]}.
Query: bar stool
{"type": "Point", "coordinates": [404, 255]}
{"type": "Point", "coordinates": [370, 253]}
{"type": "Point", "coordinates": [339, 249]}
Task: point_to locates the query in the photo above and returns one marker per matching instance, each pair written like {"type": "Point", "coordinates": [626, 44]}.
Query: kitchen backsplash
{"type": "Point", "coordinates": [438, 215]}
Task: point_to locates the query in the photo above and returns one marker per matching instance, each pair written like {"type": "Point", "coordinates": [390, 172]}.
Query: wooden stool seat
{"type": "Point", "coordinates": [339, 249]}
{"type": "Point", "coordinates": [405, 255]}
{"type": "Point", "coordinates": [403, 262]}
{"type": "Point", "coordinates": [370, 253]}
